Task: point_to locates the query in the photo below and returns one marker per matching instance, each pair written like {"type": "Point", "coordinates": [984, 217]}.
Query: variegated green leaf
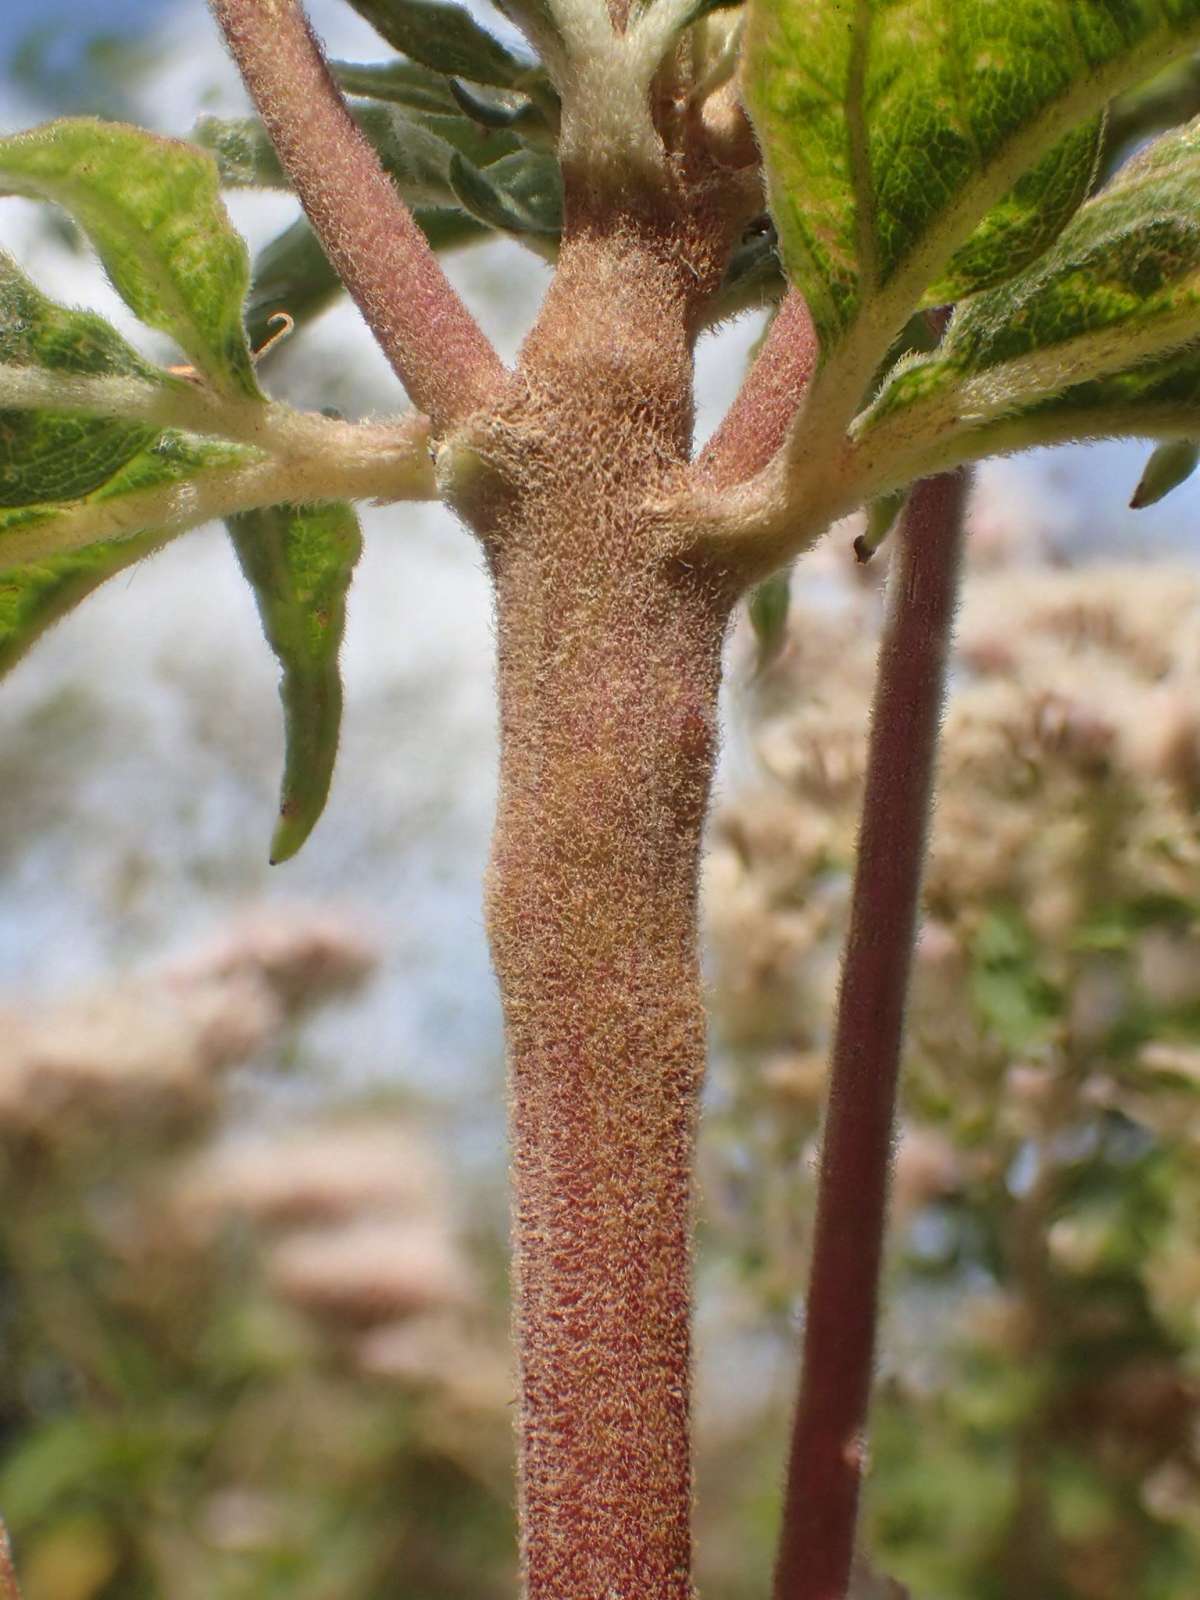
{"type": "Point", "coordinates": [152, 209]}
{"type": "Point", "coordinates": [51, 461]}
{"type": "Point", "coordinates": [298, 560]}
{"type": "Point", "coordinates": [1121, 285]}
{"type": "Point", "coordinates": [54, 462]}
{"type": "Point", "coordinates": [893, 130]}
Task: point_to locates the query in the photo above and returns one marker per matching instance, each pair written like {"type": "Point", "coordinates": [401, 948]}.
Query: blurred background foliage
{"type": "Point", "coordinates": [252, 1261]}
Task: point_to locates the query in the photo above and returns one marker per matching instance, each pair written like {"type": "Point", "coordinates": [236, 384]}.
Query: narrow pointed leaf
{"type": "Point", "coordinates": [152, 209]}
{"type": "Point", "coordinates": [768, 608]}
{"type": "Point", "coordinates": [416, 150]}
{"type": "Point", "coordinates": [519, 194]}
{"type": "Point", "coordinates": [36, 595]}
{"type": "Point", "coordinates": [501, 110]}
{"type": "Point", "coordinates": [399, 82]}
{"type": "Point", "coordinates": [446, 38]}
{"type": "Point", "coordinates": [1121, 285]}
{"type": "Point", "coordinates": [893, 128]}
{"type": "Point", "coordinates": [1170, 465]}
{"type": "Point", "coordinates": [882, 516]}
{"type": "Point", "coordinates": [299, 560]}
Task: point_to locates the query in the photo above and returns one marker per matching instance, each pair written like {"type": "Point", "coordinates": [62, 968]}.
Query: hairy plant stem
{"type": "Point", "coordinates": [609, 660]}
{"type": "Point", "coordinates": [434, 344]}
{"type": "Point", "coordinates": [10, 1589]}
{"type": "Point", "coordinates": [829, 1431]}
{"type": "Point", "coordinates": [758, 421]}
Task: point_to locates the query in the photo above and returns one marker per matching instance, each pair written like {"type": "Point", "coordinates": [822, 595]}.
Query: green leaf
{"type": "Point", "coordinates": [152, 209]}
{"type": "Point", "coordinates": [882, 516]}
{"type": "Point", "coordinates": [768, 608]}
{"type": "Point", "coordinates": [1121, 284]}
{"type": "Point", "coordinates": [34, 596]}
{"type": "Point", "coordinates": [163, 460]}
{"type": "Point", "coordinates": [298, 560]}
{"type": "Point", "coordinates": [53, 463]}
{"type": "Point", "coordinates": [49, 456]}
{"type": "Point", "coordinates": [1170, 465]}
{"type": "Point", "coordinates": [520, 194]}
{"type": "Point", "coordinates": [416, 150]}
{"type": "Point", "coordinates": [534, 123]}
{"type": "Point", "coordinates": [446, 38]}
{"type": "Point", "coordinates": [399, 82]}
{"type": "Point", "coordinates": [893, 129]}
{"type": "Point", "coordinates": [293, 274]}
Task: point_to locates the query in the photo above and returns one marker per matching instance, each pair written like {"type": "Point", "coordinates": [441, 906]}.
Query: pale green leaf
{"type": "Point", "coordinates": [152, 209]}
{"type": "Point", "coordinates": [36, 595]}
{"type": "Point", "coordinates": [768, 609]}
{"type": "Point", "coordinates": [1120, 285]}
{"type": "Point", "coordinates": [1170, 465]}
{"type": "Point", "coordinates": [446, 38]}
{"type": "Point", "coordinates": [399, 82]}
{"type": "Point", "coordinates": [298, 560]}
{"type": "Point", "coordinates": [520, 194]}
{"type": "Point", "coordinates": [415, 150]}
{"type": "Point", "coordinates": [893, 129]}
{"type": "Point", "coordinates": [882, 516]}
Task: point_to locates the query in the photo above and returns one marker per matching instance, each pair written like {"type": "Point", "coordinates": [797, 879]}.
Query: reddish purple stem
{"type": "Point", "coordinates": [434, 344]}
{"type": "Point", "coordinates": [829, 1431]}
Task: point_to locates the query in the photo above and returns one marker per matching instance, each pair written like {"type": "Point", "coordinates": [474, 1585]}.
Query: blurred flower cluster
{"type": "Point", "coordinates": [235, 1361]}
{"type": "Point", "coordinates": [1038, 1426]}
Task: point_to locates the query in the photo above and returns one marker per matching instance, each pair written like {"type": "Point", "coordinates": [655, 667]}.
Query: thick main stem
{"type": "Point", "coordinates": [829, 1433]}
{"type": "Point", "coordinates": [609, 659]}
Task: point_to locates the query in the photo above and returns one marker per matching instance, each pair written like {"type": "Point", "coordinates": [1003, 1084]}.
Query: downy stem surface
{"type": "Point", "coordinates": [829, 1432]}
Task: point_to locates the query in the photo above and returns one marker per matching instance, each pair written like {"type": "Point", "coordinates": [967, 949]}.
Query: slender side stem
{"type": "Point", "coordinates": [434, 344]}
{"type": "Point", "coordinates": [759, 418]}
{"type": "Point", "coordinates": [215, 492]}
{"type": "Point", "coordinates": [10, 1589]}
{"type": "Point", "coordinates": [828, 1439]}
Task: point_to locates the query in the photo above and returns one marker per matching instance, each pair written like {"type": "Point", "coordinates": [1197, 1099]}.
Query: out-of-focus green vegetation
{"type": "Point", "coordinates": [1037, 1431]}
{"type": "Point", "coordinates": [235, 1364]}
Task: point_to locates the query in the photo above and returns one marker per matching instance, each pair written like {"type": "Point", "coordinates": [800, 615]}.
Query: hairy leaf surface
{"type": "Point", "coordinates": [152, 209]}
{"type": "Point", "coordinates": [446, 38]}
{"type": "Point", "coordinates": [298, 560]}
{"type": "Point", "coordinates": [416, 151]}
{"type": "Point", "coordinates": [51, 461]}
{"type": "Point", "coordinates": [34, 596]}
{"type": "Point", "coordinates": [918, 149]}
{"type": "Point", "coordinates": [1121, 284]}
